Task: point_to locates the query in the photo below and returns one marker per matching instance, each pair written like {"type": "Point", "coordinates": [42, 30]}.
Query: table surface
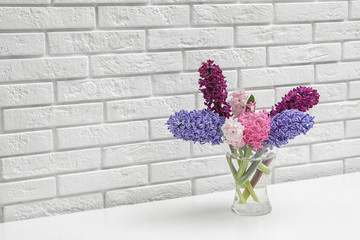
{"type": "Point", "coordinates": [323, 208]}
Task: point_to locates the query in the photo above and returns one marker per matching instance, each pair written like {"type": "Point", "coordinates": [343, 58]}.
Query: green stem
{"type": "Point", "coordinates": [241, 153]}
{"type": "Point", "coordinates": [241, 171]}
{"type": "Point", "coordinates": [247, 152]}
{"type": "Point", "coordinates": [251, 190]}
{"type": "Point", "coordinates": [248, 173]}
{"type": "Point", "coordinates": [259, 153]}
{"type": "Point", "coordinates": [243, 164]}
{"type": "Point", "coordinates": [241, 197]}
{"type": "Point", "coordinates": [238, 161]}
{"type": "Point", "coordinates": [264, 168]}
{"type": "Point", "coordinates": [232, 168]}
{"type": "Point", "coordinates": [246, 194]}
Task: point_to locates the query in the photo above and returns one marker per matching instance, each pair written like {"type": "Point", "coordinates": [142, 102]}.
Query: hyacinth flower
{"type": "Point", "coordinates": [213, 86]}
{"type": "Point", "coordinates": [246, 136]}
{"type": "Point", "coordinates": [201, 126]}
{"type": "Point", "coordinates": [238, 101]}
{"type": "Point", "coordinates": [257, 127]}
{"type": "Point", "coordinates": [284, 126]}
{"type": "Point", "coordinates": [300, 98]}
{"type": "Point", "coordinates": [287, 125]}
{"type": "Point", "coordinates": [250, 134]}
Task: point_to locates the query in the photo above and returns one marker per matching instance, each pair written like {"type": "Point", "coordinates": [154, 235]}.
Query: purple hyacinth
{"type": "Point", "coordinates": [287, 125]}
{"type": "Point", "coordinates": [214, 90]}
{"type": "Point", "coordinates": [200, 126]}
{"type": "Point", "coordinates": [300, 98]}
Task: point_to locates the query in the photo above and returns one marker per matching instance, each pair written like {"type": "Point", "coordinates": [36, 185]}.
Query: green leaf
{"type": "Point", "coordinates": [250, 100]}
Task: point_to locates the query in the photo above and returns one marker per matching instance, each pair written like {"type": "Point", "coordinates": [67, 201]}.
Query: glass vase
{"type": "Point", "coordinates": [252, 174]}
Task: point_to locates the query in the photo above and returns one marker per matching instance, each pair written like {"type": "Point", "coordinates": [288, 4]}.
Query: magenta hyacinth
{"type": "Point", "coordinates": [213, 86]}
{"type": "Point", "coordinates": [300, 98]}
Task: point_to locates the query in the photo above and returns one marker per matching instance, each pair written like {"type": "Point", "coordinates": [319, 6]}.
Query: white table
{"type": "Point", "coordinates": [324, 208]}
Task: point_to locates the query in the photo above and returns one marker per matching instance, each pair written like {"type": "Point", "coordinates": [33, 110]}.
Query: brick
{"type": "Point", "coordinates": [150, 108]}
{"type": "Point", "coordinates": [188, 168]}
{"type": "Point", "coordinates": [321, 132]}
{"type": "Point", "coordinates": [94, 42]}
{"type": "Point", "coordinates": [20, 44]}
{"type": "Point", "coordinates": [355, 9]}
{"type": "Point", "coordinates": [102, 134]}
{"type": "Point", "coordinates": [15, 192]}
{"type": "Point", "coordinates": [20, 2]}
{"type": "Point", "coordinates": [320, 11]}
{"type": "Point", "coordinates": [337, 71]}
{"type": "Point", "coordinates": [191, 38]}
{"type": "Point", "coordinates": [227, 58]}
{"type": "Point", "coordinates": [352, 128]}
{"type": "Point", "coordinates": [214, 184]}
{"type": "Point", "coordinates": [26, 94]}
{"type": "Point", "coordinates": [98, 1]}
{"type": "Point", "coordinates": [64, 115]}
{"type": "Point", "coordinates": [308, 171]}
{"type": "Point", "coordinates": [199, 150]}
{"type": "Point", "coordinates": [352, 165]}
{"type": "Point", "coordinates": [52, 163]}
{"type": "Point", "coordinates": [145, 153]}
{"type": "Point", "coordinates": [276, 76]}
{"type": "Point", "coordinates": [105, 65]}
{"type": "Point", "coordinates": [158, 129]}
{"type": "Point", "coordinates": [102, 180]}
{"type": "Point", "coordinates": [200, 101]}
{"type": "Point", "coordinates": [43, 69]}
{"type": "Point", "coordinates": [337, 31]}
{"type": "Point", "coordinates": [354, 90]}
{"type": "Point", "coordinates": [231, 14]}
{"type": "Point", "coordinates": [46, 17]}
{"type": "Point", "coordinates": [304, 53]}
{"type": "Point", "coordinates": [273, 34]}
{"type": "Point", "coordinates": [328, 151]}
{"type": "Point", "coordinates": [23, 143]}
{"type": "Point", "coordinates": [264, 98]}
{"type": "Point", "coordinates": [105, 88]}
{"type": "Point", "coordinates": [53, 207]}
{"type": "Point", "coordinates": [187, 1]}
{"type": "Point", "coordinates": [328, 92]}
{"type": "Point", "coordinates": [292, 155]}
{"type": "Point", "coordinates": [148, 193]}
{"type": "Point", "coordinates": [164, 84]}
{"type": "Point", "coordinates": [338, 110]}
{"type": "Point", "coordinates": [143, 16]}
{"type": "Point", "coordinates": [352, 50]}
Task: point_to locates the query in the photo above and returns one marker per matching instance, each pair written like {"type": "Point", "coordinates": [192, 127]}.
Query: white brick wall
{"type": "Point", "coordinates": [86, 87]}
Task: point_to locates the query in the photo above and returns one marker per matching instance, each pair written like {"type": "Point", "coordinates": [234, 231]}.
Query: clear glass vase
{"type": "Point", "coordinates": [252, 174]}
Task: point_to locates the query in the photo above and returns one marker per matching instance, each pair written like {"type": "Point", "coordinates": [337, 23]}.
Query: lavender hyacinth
{"type": "Point", "coordinates": [287, 125]}
{"type": "Point", "coordinates": [201, 126]}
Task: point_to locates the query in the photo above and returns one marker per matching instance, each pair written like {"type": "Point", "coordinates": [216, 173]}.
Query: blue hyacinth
{"type": "Point", "coordinates": [287, 125]}
{"type": "Point", "coordinates": [201, 126]}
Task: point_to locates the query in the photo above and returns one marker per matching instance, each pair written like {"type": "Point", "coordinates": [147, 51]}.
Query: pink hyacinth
{"type": "Point", "coordinates": [257, 128]}
{"type": "Point", "coordinates": [238, 102]}
{"type": "Point", "coordinates": [233, 132]}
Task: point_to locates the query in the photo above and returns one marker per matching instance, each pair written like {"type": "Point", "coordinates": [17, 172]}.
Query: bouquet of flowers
{"type": "Point", "coordinates": [250, 134]}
